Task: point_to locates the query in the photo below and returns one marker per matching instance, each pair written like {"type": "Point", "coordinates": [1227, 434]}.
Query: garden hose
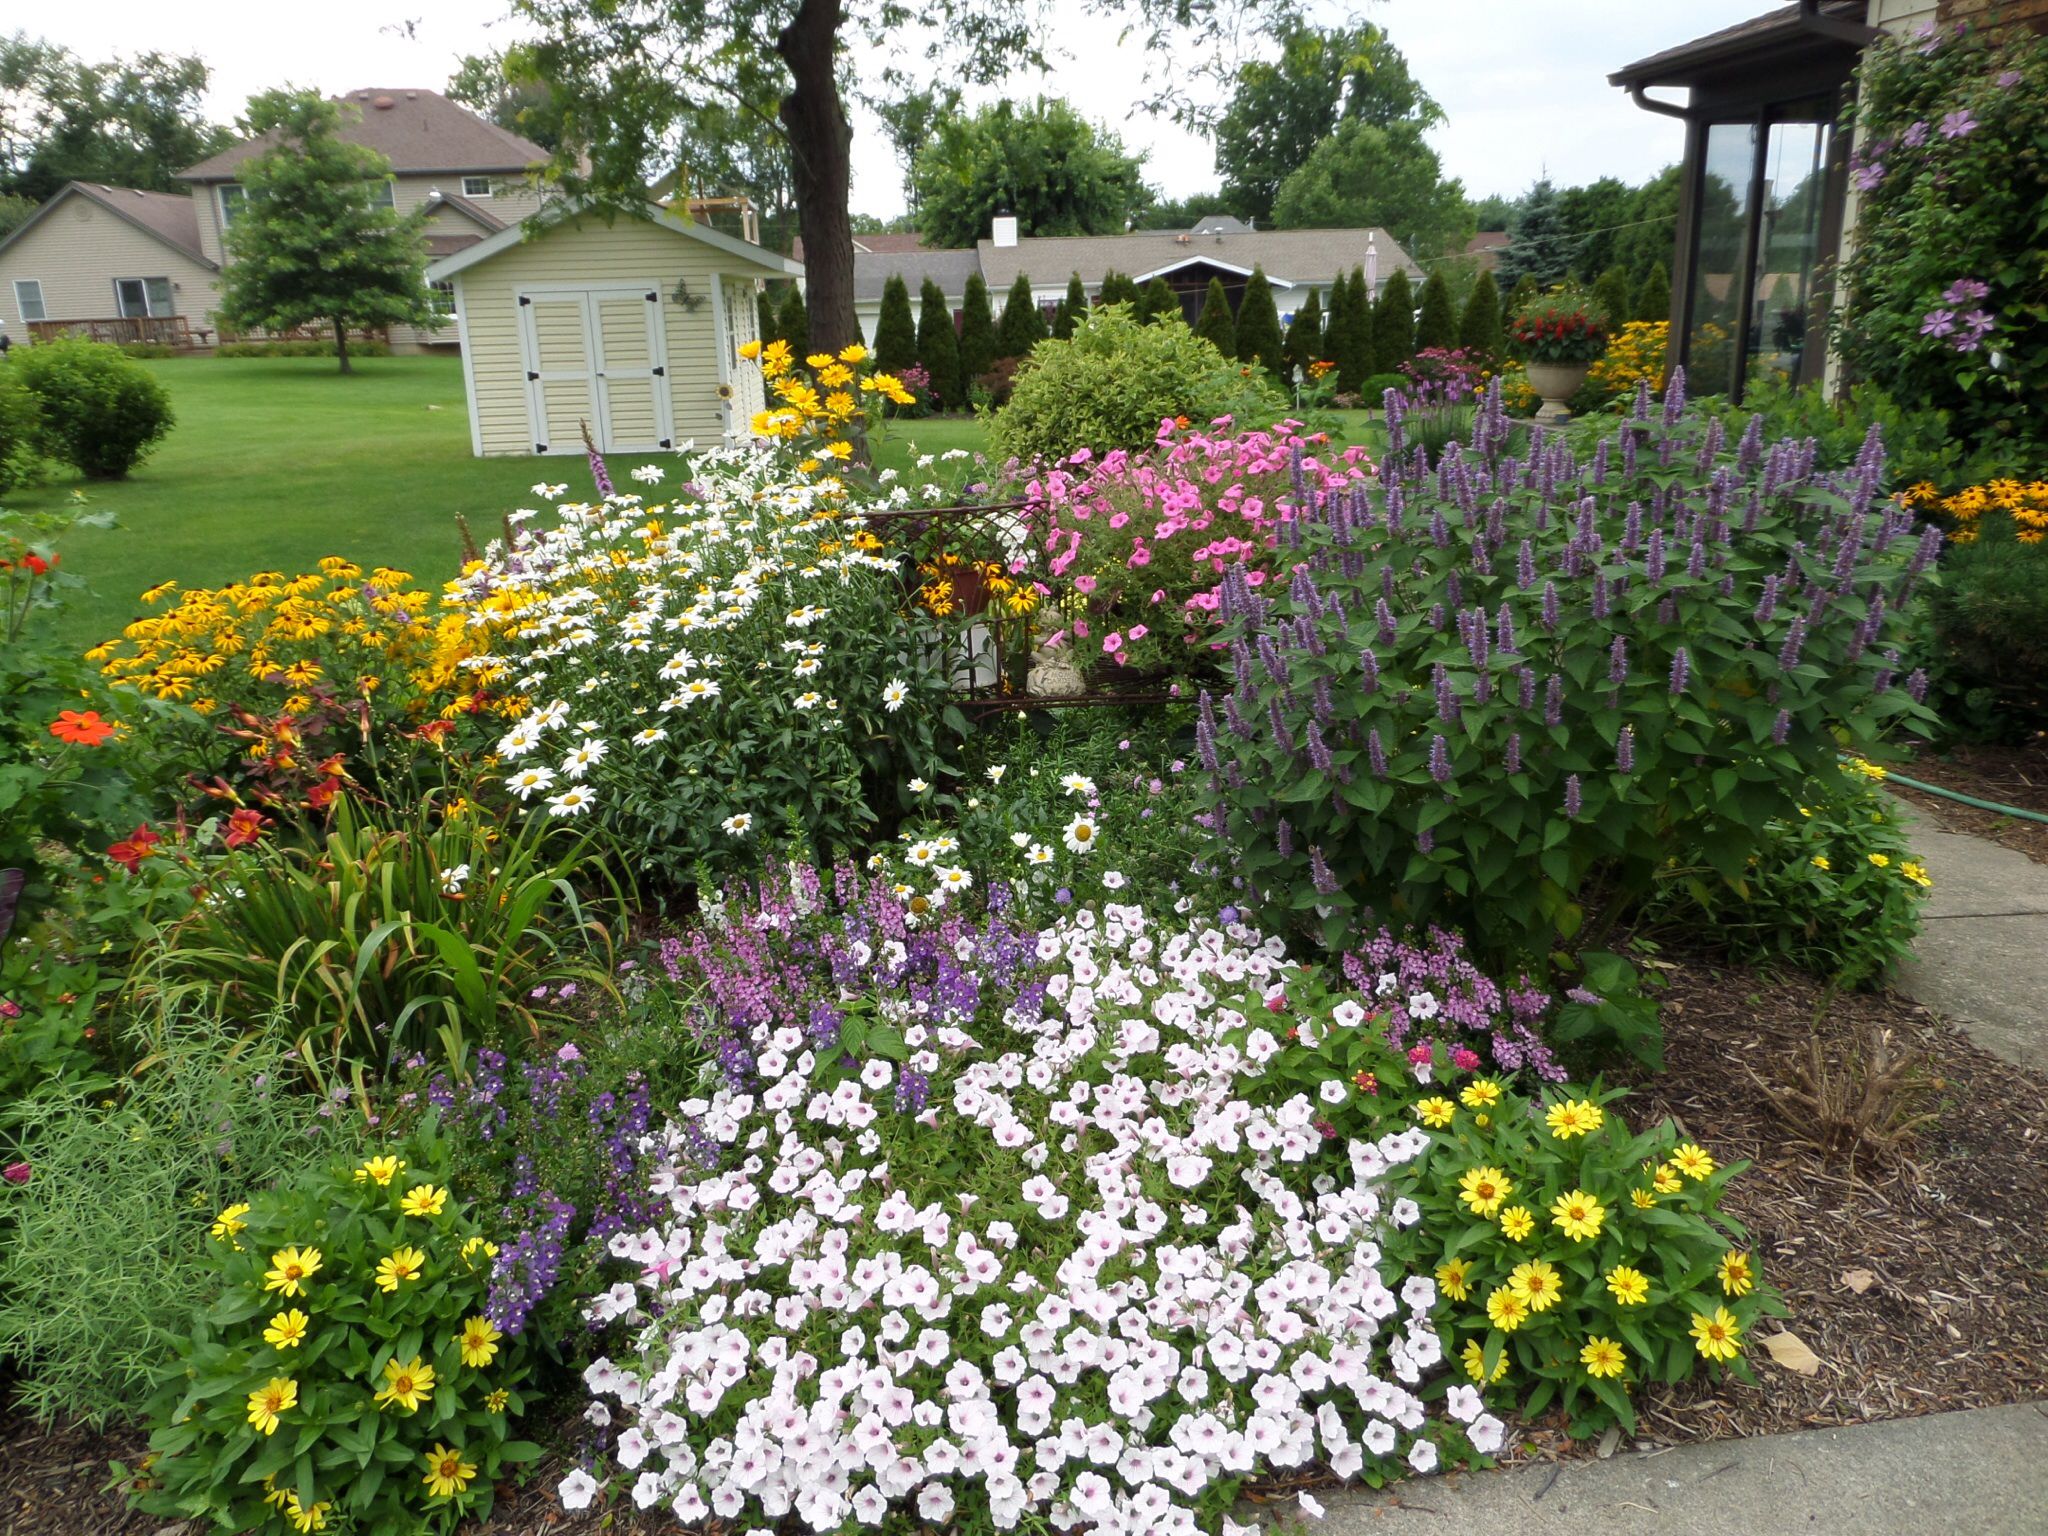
{"type": "Point", "coordinates": [1895, 777]}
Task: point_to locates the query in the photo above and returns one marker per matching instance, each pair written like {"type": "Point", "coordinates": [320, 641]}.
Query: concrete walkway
{"type": "Point", "coordinates": [1982, 956]}
{"type": "Point", "coordinates": [1978, 1473]}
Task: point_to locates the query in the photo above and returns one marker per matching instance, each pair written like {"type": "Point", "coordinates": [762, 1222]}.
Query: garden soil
{"type": "Point", "coordinates": [1912, 1279]}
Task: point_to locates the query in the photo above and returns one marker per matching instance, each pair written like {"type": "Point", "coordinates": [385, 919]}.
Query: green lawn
{"type": "Point", "coordinates": [274, 463]}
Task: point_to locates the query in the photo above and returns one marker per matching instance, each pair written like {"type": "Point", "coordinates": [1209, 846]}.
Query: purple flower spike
{"type": "Point", "coordinates": [1625, 749]}
{"type": "Point", "coordinates": [1681, 669]}
{"type": "Point", "coordinates": [1574, 797]}
{"type": "Point", "coordinates": [1439, 759]}
{"type": "Point", "coordinates": [1781, 728]}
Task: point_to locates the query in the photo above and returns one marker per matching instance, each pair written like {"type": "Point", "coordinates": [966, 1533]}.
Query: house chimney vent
{"type": "Point", "coordinates": [1003, 230]}
{"type": "Point", "coordinates": [383, 103]}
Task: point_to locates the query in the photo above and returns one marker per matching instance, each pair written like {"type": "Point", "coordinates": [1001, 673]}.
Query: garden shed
{"type": "Point", "coordinates": [630, 328]}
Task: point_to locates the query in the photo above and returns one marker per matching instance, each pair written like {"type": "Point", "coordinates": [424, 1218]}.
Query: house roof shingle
{"type": "Point", "coordinates": [419, 131]}
{"type": "Point", "coordinates": [1687, 63]}
{"type": "Point", "coordinates": [1288, 255]}
{"type": "Point", "coordinates": [168, 216]}
{"type": "Point", "coordinates": [949, 269]}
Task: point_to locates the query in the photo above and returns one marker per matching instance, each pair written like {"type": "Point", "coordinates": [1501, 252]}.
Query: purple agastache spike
{"type": "Point", "coordinates": [1603, 595]}
{"type": "Point", "coordinates": [1205, 743]}
{"type": "Point", "coordinates": [1525, 566]}
{"type": "Point", "coordinates": [1475, 640]}
{"type": "Point", "coordinates": [1667, 612]}
{"type": "Point", "coordinates": [1632, 530]}
{"type": "Point", "coordinates": [1625, 749]}
{"type": "Point", "coordinates": [1550, 605]}
{"type": "Point", "coordinates": [1553, 701]}
{"type": "Point", "coordinates": [1574, 797]}
{"type": "Point", "coordinates": [1514, 753]}
{"type": "Point", "coordinates": [1439, 759]}
{"type": "Point", "coordinates": [1233, 717]}
{"type": "Point", "coordinates": [1320, 701]}
{"type": "Point", "coordinates": [1751, 448]}
{"type": "Point", "coordinates": [1283, 838]}
{"type": "Point", "coordinates": [1504, 632]}
{"type": "Point", "coordinates": [1617, 661]}
{"type": "Point", "coordinates": [1282, 737]}
{"type": "Point", "coordinates": [1454, 590]}
{"type": "Point", "coordinates": [1781, 728]}
{"type": "Point", "coordinates": [1436, 616]}
{"type": "Point", "coordinates": [1767, 605]}
{"type": "Point", "coordinates": [1795, 642]}
{"type": "Point", "coordinates": [1674, 398]}
{"type": "Point", "coordinates": [1696, 563]}
{"type": "Point", "coordinates": [1319, 750]}
{"type": "Point", "coordinates": [1653, 561]}
{"type": "Point", "coordinates": [1525, 678]}
{"type": "Point", "coordinates": [1916, 685]}
{"type": "Point", "coordinates": [1681, 670]}
{"type": "Point", "coordinates": [597, 469]}
{"type": "Point", "coordinates": [1375, 753]}
{"type": "Point", "coordinates": [1368, 670]}
{"type": "Point", "coordinates": [1385, 617]}
{"type": "Point", "coordinates": [1600, 461]}
{"type": "Point", "coordinates": [1446, 704]}
{"type": "Point", "coordinates": [1319, 873]}
{"type": "Point", "coordinates": [1882, 683]}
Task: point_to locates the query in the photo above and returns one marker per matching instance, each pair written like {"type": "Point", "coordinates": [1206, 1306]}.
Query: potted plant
{"type": "Point", "coordinates": [1558, 334]}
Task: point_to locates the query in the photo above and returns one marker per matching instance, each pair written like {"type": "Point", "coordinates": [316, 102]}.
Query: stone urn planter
{"type": "Point", "coordinates": [1556, 383]}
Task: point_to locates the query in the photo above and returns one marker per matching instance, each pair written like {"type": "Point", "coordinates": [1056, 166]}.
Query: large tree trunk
{"type": "Point", "coordinates": [341, 344]}
{"type": "Point", "coordinates": [821, 145]}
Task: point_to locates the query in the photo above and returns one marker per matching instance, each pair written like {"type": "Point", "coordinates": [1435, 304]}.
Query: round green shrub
{"type": "Point", "coordinates": [101, 412]}
{"type": "Point", "coordinates": [1113, 383]}
{"type": "Point", "coordinates": [1374, 389]}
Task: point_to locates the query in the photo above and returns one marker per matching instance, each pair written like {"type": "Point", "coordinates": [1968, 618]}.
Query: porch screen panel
{"type": "Point", "coordinates": [1788, 249]}
{"type": "Point", "coordinates": [1714, 352]}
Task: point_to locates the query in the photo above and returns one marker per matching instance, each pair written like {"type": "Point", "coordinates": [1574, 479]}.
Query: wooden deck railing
{"type": "Point", "coordinates": [156, 330]}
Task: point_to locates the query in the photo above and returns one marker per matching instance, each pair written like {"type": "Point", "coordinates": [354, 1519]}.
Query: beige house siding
{"type": "Point", "coordinates": [590, 255]}
{"type": "Point", "coordinates": [511, 201]}
{"type": "Point", "coordinates": [77, 252]}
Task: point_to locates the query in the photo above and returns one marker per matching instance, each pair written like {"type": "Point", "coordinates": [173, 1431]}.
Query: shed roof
{"type": "Point", "coordinates": [417, 130]}
{"type": "Point", "coordinates": [509, 238]}
{"type": "Point", "coordinates": [166, 216]}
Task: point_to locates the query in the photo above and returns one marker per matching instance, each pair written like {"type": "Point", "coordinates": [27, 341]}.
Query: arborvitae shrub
{"type": "Point", "coordinates": [977, 331]}
{"type": "Point", "coordinates": [1258, 326]}
{"type": "Point", "coordinates": [1393, 324]}
{"type": "Point", "coordinates": [1437, 325]}
{"type": "Point", "coordinates": [1022, 327]}
{"type": "Point", "coordinates": [895, 330]}
{"type": "Point", "coordinates": [938, 345]}
{"type": "Point", "coordinates": [1479, 328]}
{"type": "Point", "coordinates": [1217, 325]}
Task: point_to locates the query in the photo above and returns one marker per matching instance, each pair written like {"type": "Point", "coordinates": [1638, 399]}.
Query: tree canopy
{"type": "Point", "coordinates": [1042, 161]}
{"type": "Point", "coordinates": [1366, 174]}
{"type": "Point", "coordinates": [128, 122]}
{"type": "Point", "coordinates": [637, 76]}
{"type": "Point", "coordinates": [1279, 110]}
{"type": "Point", "coordinates": [483, 83]}
{"type": "Point", "coordinates": [310, 246]}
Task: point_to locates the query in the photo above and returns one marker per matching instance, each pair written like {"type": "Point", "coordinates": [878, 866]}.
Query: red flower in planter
{"type": "Point", "coordinates": [134, 848]}
{"type": "Point", "coordinates": [244, 828]}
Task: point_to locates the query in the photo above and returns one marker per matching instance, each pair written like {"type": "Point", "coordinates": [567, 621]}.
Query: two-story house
{"type": "Point", "coordinates": [127, 265]}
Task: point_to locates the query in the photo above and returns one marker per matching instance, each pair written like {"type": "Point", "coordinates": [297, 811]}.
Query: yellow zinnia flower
{"type": "Point", "coordinates": [379, 1170]}
{"type": "Point", "coordinates": [1881, 860]}
{"type": "Point", "coordinates": [1820, 862]}
{"type": "Point", "coordinates": [1667, 1181]}
{"type": "Point", "coordinates": [403, 1264]}
{"type": "Point", "coordinates": [1574, 1117]}
{"type": "Point", "coordinates": [1717, 1337]}
{"type": "Point", "coordinates": [447, 1473]}
{"type": "Point", "coordinates": [423, 1200]}
{"type": "Point", "coordinates": [1505, 1309]}
{"type": "Point", "coordinates": [1643, 1198]}
{"type": "Point", "coordinates": [287, 1330]}
{"type": "Point", "coordinates": [1630, 1287]}
{"type": "Point", "coordinates": [1692, 1161]}
{"type": "Point", "coordinates": [1579, 1214]}
{"type": "Point", "coordinates": [270, 1400]}
{"type": "Point", "coordinates": [1435, 1112]}
{"type": "Point", "coordinates": [1738, 1275]}
{"type": "Point", "coordinates": [1516, 1223]}
{"type": "Point", "coordinates": [1602, 1357]}
{"type": "Point", "coordinates": [229, 1222]}
{"type": "Point", "coordinates": [478, 1341]}
{"type": "Point", "coordinates": [407, 1386]}
{"type": "Point", "coordinates": [291, 1270]}
{"type": "Point", "coordinates": [1481, 1093]}
{"type": "Point", "coordinates": [311, 1517]}
{"type": "Point", "coordinates": [496, 1400]}
{"type": "Point", "coordinates": [1455, 1276]}
{"type": "Point", "coordinates": [1484, 1189]}
{"type": "Point", "coordinates": [1538, 1283]}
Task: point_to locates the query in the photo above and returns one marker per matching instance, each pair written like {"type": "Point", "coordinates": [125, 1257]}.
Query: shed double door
{"type": "Point", "coordinates": [596, 355]}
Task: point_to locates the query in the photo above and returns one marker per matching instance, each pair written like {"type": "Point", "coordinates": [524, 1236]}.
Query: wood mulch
{"type": "Point", "coordinates": [2009, 775]}
{"type": "Point", "coordinates": [1917, 1280]}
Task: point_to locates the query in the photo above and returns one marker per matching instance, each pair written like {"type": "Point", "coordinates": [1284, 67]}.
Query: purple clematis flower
{"type": "Point", "coordinates": [1966, 290]}
{"type": "Point", "coordinates": [1870, 177]}
{"type": "Point", "coordinates": [1939, 322]}
{"type": "Point", "coordinates": [1958, 124]}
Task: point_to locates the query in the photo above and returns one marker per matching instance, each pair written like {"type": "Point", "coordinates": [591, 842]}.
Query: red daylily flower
{"type": "Point", "coordinates": [134, 848]}
{"type": "Point", "coordinates": [244, 828]}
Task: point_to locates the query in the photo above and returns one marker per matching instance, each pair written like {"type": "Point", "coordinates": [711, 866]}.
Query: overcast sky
{"type": "Point", "coordinates": [1524, 86]}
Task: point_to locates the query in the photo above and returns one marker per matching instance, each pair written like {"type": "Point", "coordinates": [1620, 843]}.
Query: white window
{"type": "Point", "coordinates": [28, 299]}
{"type": "Point", "coordinates": [233, 199]}
{"type": "Point", "coordinates": [442, 296]}
{"type": "Point", "coordinates": [136, 297]}
{"type": "Point", "coordinates": [476, 186]}
{"type": "Point", "coordinates": [383, 193]}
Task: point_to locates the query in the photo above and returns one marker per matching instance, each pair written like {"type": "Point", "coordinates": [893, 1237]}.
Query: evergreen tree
{"type": "Point", "coordinates": [1216, 325]}
{"type": "Point", "coordinates": [1522, 293]}
{"type": "Point", "coordinates": [938, 345]}
{"type": "Point", "coordinates": [977, 333]}
{"type": "Point", "coordinates": [1611, 295]}
{"type": "Point", "coordinates": [1352, 348]}
{"type": "Point", "coordinates": [1540, 243]}
{"type": "Point", "coordinates": [1393, 324]}
{"type": "Point", "coordinates": [1437, 325]}
{"type": "Point", "coordinates": [1305, 336]}
{"type": "Point", "coordinates": [1479, 327]}
{"type": "Point", "coordinates": [1653, 298]}
{"type": "Point", "coordinates": [1117, 289]}
{"type": "Point", "coordinates": [1258, 326]}
{"type": "Point", "coordinates": [1023, 327]}
{"type": "Point", "coordinates": [310, 247]}
{"type": "Point", "coordinates": [764, 316]}
{"type": "Point", "coordinates": [1156, 301]}
{"type": "Point", "coordinates": [1073, 308]}
{"type": "Point", "coordinates": [895, 331]}
{"type": "Point", "coordinates": [793, 321]}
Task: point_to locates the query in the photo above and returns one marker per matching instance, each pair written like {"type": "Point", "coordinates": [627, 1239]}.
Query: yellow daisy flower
{"type": "Point", "coordinates": [1574, 1117]}
{"type": "Point", "coordinates": [1484, 1189]}
{"type": "Point", "coordinates": [1455, 1276]}
{"type": "Point", "coordinates": [1435, 1112]}
{"type": "Point", "coordinates": [478, 1341]}
{"type": "Point", "coordinates": [287, 1330]}
{"type": "Point", "coordinates": [229, 1222]}
{"type": "Point", "coordinates": [401, 1266]}
{"type": "Point", "coordinates": [1693, 1161]}
{"type": "Point", "coordinates": [270, 1400]}
{"type": "Point", "coordinates": [423, 1200]}
{"type": "Point", "coordinates": [1579, 1214]}
{"type": "Point", "coordinates": [407, 1386]}
{"type": "Point", "coordinates": [1602, 1357]}
{"type": "Point", "coordinates": [447, 1473]}
{"type": "Point", "coordinates": [291, 1270]}
{"type": "Point", "coordinates": [1473, 1358]}
{"type": "Point", "coordinates": [1516, 1223]}
{"type": "Point", "coordinates": [379, 1170]}
{"type": "Point", "coordinates": [1717, 1337]}
{"type": "Point", "coordinates": [1538, 1283]}
{"type": "Point", "coordinates": [1481, 1093]}
{"type": "Point", "coordinates": [1738, 1275]}
{"type": "Point", "coordinates": [1505, 1310]}
{"type": "Point", "coordinates": [1630, 1287]}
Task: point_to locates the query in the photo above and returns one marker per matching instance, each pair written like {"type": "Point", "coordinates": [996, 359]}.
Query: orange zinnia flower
{"type": "Point", "coordinates": [82, 728]}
